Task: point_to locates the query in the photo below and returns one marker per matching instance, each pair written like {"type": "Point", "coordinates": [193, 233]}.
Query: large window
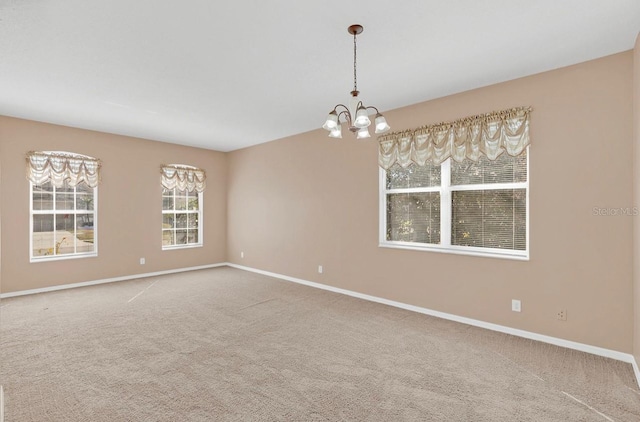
{"type": "Point", "coordinates": [181, 218]}
{"type": "Point", "coordinates": [475, 207]}
{"type": "Point", "coordinates": [63, 221]}
{"type": "Point", "coordinates": [182, 188]}
{"type": "Point", "coordinates": [63, 205]}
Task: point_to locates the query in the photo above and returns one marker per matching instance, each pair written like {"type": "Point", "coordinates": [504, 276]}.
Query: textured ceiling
{"type": "Point", "coordinates": [226, 75]}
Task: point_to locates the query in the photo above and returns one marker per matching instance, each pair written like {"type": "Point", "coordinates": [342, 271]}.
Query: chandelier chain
{"type": "Point", "coordinates": [355, 77]}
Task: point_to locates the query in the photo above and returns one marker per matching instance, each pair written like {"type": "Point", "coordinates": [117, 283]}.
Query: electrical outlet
{"type": "Point", "coordinates": [142, 261]}
{"type": "Point", "coordinates": [516, 306]}
{"type": "Point", "coordinates": [562, 315]}
{"type": "Point", "coordinates": [319, 269]}
{"type": "Point", "coordinates": [241, 254]}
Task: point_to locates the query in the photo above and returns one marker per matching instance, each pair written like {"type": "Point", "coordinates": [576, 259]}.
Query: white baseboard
{"type": "Point", "coordinates": [107, 280]}
{"type": "Point", "coordinates": [595, 350]}
{"type": "Point", "coordinates": [634, 363]}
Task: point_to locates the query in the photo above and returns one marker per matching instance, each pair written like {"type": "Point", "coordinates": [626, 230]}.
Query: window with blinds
{"type": "Point", "coordinates": [414, 217]}
{"type": "Point", "coordinates": [413, 204]}
{"type": "Point", "coordinates": [476, 207]}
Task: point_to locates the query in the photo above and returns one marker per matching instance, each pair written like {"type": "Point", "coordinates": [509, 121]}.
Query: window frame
{"type": "Point", "coordinates": [54, 211]}
{"type": "Point", "coordinates": [200, 242]}
{"type": "Point", "coordinates": [445, 189]}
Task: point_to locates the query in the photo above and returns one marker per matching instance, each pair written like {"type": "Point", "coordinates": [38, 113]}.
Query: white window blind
{"type": "Point", "coordinates": [489, 203]}
{"type": "Point", "coordinates": [413, 204]}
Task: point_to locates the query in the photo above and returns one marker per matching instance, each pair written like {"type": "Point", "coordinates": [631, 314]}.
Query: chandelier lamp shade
{"type": "Point", "coordinates": [355, 114]}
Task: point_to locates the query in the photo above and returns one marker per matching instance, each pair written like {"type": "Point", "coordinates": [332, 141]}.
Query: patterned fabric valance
{"type": "Point", "coordinates": [59, 167]}
{"type": "Point", "coordinates": [489, 134]}
{"type": "Point", "coordinates": [183, 177]}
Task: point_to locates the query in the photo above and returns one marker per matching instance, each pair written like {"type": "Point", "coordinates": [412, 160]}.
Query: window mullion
{"type": "Point", "coordinates": [174, 229]}
{"type": "Point", "coordinates": [445, 203]}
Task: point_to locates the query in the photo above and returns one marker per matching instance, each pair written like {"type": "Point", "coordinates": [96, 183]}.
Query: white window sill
{"type": "Point", "coordinates": [62, 257]}
{"type": "Point", "coordinates": [460, 250]}
{"type": "Point", "coordinates": [174, 247]}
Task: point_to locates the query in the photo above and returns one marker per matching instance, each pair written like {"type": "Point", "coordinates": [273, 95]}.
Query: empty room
{"type": "Point", "coordinates": [319, 211]}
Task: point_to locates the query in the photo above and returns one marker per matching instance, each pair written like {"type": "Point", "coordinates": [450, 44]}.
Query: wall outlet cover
{"type": "Point", "coordinates": [516, 305]}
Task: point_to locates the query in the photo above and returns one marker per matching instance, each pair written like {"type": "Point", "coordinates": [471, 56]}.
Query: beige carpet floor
{"type": "Point", "coordinates": [229, 345]}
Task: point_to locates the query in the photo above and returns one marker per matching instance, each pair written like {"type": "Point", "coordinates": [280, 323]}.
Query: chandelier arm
{"type": "Point", "coordinates": [345, 111]}
{"type": "Point", "coordinates": [368, 107]}
{"type": "Point", "coordinates": [346, 114]}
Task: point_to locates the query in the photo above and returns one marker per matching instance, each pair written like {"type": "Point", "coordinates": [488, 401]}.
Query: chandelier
{"type": "Point", "coordinates": [356, 114]}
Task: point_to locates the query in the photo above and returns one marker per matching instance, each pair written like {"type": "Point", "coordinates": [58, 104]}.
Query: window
{"type": "Point", "coordinates": [182, 188]}
{"type": "Point", "coordinates": [63, 207]}
{"type": "Point", "coordinates": [475, 207]}
{"type": "Point", "coordinates": [181, 218]}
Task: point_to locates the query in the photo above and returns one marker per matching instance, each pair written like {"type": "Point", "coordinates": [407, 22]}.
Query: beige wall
{"type": "Point", "coordinates": [129, 205]}
{"type": "Point", "coordinates": [636, 199]}
{"type": "Point", "coordinates": [1, 201]}
{"type": "Point", "coordinates": [308, 200]}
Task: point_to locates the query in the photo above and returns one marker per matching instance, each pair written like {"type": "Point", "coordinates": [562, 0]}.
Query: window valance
{"type": "Point", "coordinates": [488, 134]}
{"type": "Point", "coordinates": [183, 177]}
{"type": "Point", "coordinates": [60, 167]}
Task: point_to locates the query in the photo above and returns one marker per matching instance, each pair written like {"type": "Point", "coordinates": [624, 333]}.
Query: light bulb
{"type": "Point", "coordinates": [331, 122]}
{"type": "Point", "coordinates": [381, 124]}
{"type": "Point", "coordinates": [363, 133]}
{"type": "Point", "coordinates": [362, 117]}
{"type": "Point", "coordinates": [336, 132]}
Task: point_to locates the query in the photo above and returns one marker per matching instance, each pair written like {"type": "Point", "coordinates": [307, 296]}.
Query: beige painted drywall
{"type": "Point", "coordinates": [309, 200]}
{"type": "Point", "coordinates": [129, 205]}
{"type": "Point", "coordinates": [1, 201]}
{"type": "Point", "coordinates": [636, 199]}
